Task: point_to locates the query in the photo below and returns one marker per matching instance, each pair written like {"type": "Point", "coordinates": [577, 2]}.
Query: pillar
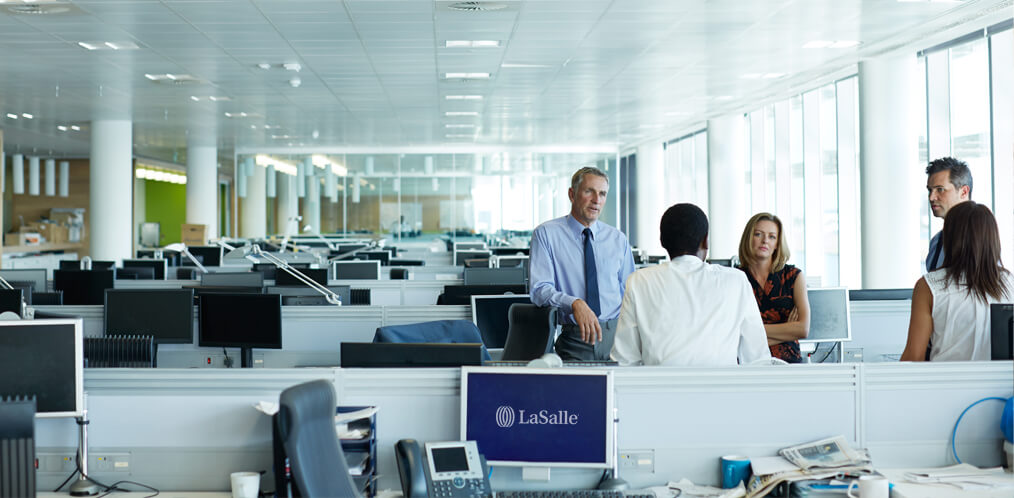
{"type": "Point", "coordinates": [202, 183]}
{"type": "Point", "coordinates": [727, 209]}
{"type": "Point", "coordinates": [109, 190]}
{"type": "Point", "coordinates": [311, 204]}
{"type": "Point", "coordinates": [891, 180]}
{"type": "Point", "coordinates": [253, 222]}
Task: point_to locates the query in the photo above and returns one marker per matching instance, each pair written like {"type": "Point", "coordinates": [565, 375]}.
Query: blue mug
{"type": "Point", "coordinates": [735, 469]}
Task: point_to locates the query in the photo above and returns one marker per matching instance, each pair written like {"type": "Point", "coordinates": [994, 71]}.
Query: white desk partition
{"type": "Point", "coordinates": [187, 428]}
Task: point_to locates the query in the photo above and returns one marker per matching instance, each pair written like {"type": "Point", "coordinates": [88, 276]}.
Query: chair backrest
{"type": "Point", "coordinates": [305, 425]}
{"type": "Point", "coordinates": [17, 447]}
{"type": "Point", "coordinates": [439, 331]}
{"type": "Point", "coordinates": [530, 333]}
{"type": "Point", "coordinates": [399, 274]}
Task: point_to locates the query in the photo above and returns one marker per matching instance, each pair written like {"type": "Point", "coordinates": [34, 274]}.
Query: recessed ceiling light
{"type": "Point", "coordinates": [195, 98]}
{"type": "Point", "coordinates": [253, 127]}
{"type": "Point", "coordinates": [292, 66]}
{"type": "Point", "coordinates": [214, 98]}
{"type": "Point", "coordinates": [122, 45]}
{"type": "Point", "coordinates": [27, 116]}
{"type": "Point", "coordinates": [472, 43]}
{"type": "Point", "coordinates": [237, 115]}
{"type": "Point", "coordinates": [463, 97]}
{"type": "Point", "coordinates": [282, 137]}
{"type": "Point", "coordinates": [75, 127]}
{"type": "Point", "coordinates": [12, 115]}
{"type": "Point", "coordinates": [461, 113]}
{"type": "Point", "coordinates": [107, 45]}
{"type": "Point", "coordinates": [61, 128]}
{"type": "Point", "coordinates": [264, 65]}
{"type": "Point", "coordinates": [466, 76]}
{"type": "Point", "coordinates": [459, 126]}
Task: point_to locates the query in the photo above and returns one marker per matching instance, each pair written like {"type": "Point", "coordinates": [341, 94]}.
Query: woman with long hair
{"type": "Point", "coordinates": [950, 306]}
{"type": "Point", "coordinates": [780, 288]}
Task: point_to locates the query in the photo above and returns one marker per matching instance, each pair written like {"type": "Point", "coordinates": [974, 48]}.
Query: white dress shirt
{"type": "Point", "coordinates": [961, 329]}
{"type": "Point", "coordinates": [687, 312]}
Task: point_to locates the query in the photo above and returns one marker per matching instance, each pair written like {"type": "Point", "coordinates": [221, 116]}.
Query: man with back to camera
{"type": "Point", "coordinates": [949, 182]}
{"type": "Point", "coordinates": [688, 312]}
{"type": "Point", "coordinates": [580, 265]}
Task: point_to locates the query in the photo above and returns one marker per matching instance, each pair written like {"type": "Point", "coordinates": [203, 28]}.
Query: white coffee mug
{"type": "Point", "coordinates": [245, 484]}
{"type": "Point", "coordinates": [869, 487]}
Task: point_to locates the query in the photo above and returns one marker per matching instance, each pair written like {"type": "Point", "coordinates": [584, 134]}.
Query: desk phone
{"type": "Point", "coordinates": [452, 469]}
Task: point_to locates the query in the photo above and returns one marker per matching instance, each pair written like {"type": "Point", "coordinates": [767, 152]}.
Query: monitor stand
{"type": "Point", "coordinates": [83, 486]}
{"type": "Point", "coordinates": [246, 357]}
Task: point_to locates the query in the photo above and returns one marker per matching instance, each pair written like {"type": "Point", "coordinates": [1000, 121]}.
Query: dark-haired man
{"type": "Point", "coordinates": [687, 312]}
{"type": "Point", "coordinates": [949, 181]}
{"type": "Point", "coordinates": [580, 265]}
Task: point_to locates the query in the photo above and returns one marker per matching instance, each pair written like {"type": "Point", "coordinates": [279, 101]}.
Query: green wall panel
{"type": "Point", "coordinates": [166, 203]}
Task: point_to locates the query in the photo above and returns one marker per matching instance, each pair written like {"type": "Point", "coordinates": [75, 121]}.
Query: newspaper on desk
{"type": "Point", "coordinates": [817, 460]}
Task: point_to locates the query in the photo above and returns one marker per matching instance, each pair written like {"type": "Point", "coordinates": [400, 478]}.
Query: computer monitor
{"type": "Point", "coordinates": [491, 315]}
{"type": "Point", "coordinates": [510, 251]}
{"type": "Point", "coordinates": [527, 417]}
{"type": "Point", "coordinates": [69, 264]}
{"type": "Point", "coordinates": [268, 269]}
{"type": "Point", "coordinates": [409, 354]}
{"type": "Point", "coordinates": [207, 255]}
{"type": "Point", "coordinates": [829, 315]}
{"type": "Point", "coordinates": [158, 266]}
{"type": "Point", "coordinates": [721, 262]}
{"type": "Point", "coordinates": [243, 321]}
{"type": "Point", "coordinates": [11, 300]}
{"type": "Point", "coordinates": [462, 294]}
{"type": "Point", "coordinates": [35, 275]}
{"type": "Point", "coordinates": [461, 256]}
{"type": "Point", "coordinates": [233, 279]}
{"type": "Point", "coordinates": [1001, 331]}
{"type": "Point", "coordinates": [384, 256]}
{"type": "Point", "coordinates": [83, 286]}
{"type": "Point", "coordinates": [462, 246]}
{"type": "Point", "coordinates": [135, 274]}
{"type": "Point", "coordinates": [356, 270]}
{"type": "Point", "coordinates": [345, 248]}
{"type": "Point", "coordinates": [343, 291]}
{"type": "Point", "coordinates": [27, 290]}
{"type": "Point", "coordinates": [319, 275]}
{"type": "Point", "coordinates": [880, 294]}
{"type": "Point", "coordinates": [165, 314]}
{"type": "Point", "coordinates": [494, 276]}
{"type": "Point", "coordinates": [45, 359]}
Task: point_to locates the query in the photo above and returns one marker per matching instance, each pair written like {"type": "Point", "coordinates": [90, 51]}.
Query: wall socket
{"type": "Point", "coordinates": [109, 462]}
{"type": "Point", "coordinates": [56, 462]}
{"type": "Point", "coordinates": [638, 460]}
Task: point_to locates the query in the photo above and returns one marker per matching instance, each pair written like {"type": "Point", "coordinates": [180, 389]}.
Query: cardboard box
{"type": "Point", "coordinates": [52, 233]}
{"type": "Point", "coordinates": [23, 237]}
{"type": "Point", "coordinates": [193, 234]}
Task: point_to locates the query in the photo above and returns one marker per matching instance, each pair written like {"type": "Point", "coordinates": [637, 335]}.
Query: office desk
{"type": "Point", "coordinates": [904, 489]}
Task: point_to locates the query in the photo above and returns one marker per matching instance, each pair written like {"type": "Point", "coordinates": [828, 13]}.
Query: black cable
{"type": "Point", "coordinates": [115, 487]}
{"type": "Point", "coordinates": [833, 346]}
{"type": "Point", "coordinates": [65, 481]}
{"type": "Point", "coordinates": [227, 361]}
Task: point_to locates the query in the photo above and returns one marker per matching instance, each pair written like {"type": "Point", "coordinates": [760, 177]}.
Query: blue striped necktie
{"type": "Point", "coordinates": [591, 276]}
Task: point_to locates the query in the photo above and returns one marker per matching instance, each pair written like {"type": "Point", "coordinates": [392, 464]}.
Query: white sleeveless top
{"type": "Point", "coordinates": [960, 320]}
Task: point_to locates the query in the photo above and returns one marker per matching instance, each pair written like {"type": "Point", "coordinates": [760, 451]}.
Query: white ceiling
{"type": "Point", "coordinates": [610, 72]}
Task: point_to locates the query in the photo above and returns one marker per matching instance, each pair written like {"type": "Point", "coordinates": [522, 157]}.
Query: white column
{"type": "Point", "coordinates": [202, 184]}
{"type": "Point", "coordinates": [110, 184]}
{"type": "Point", "coordinates": [253, 221]}
{"type": "Point", "coordinates": [33, 175]}
{"type": "Point", "coordinates": [286, 193]}
{"type": "Point", "coordinates": [649, 194]}
{"type": "Point", "coordinates": [891, 178]}
{"type": "Point", "coordinates": [311, 203]}
{"type": "Point", "coordinates": [726, 189]}
{"type": "Point", "coordinates": [50, 177]}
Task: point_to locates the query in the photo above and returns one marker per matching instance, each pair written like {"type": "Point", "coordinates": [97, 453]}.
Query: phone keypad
{"type": "Point", "coordinates": [459, 487]}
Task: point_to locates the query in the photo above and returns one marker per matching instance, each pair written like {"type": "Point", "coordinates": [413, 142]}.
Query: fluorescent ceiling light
{"type": "Point", "coordinates": [12, 115]}
{"type": "Point", "coordinates": [27, 116]}
{"type": "Point", "coordinates": [214, 98]}
{"type": "Point", "coordinates": [107, 45]}
{"type": "Point", "coordinates": [88, 46]}
{"type": "Point", "coordinates": [459, 126]}
{"type": "Point", "coordinates": [472, 43]}
{"type": "Point", "coordinates": [168, 76]}
{"type": "Point", "coordinates": [844, 44]}
{"type": "Point", "coordinates": [321, 161]}
{"type": "Point", "coordinates": [195, 98]}
{"type": "Point", "coordinates": [466, 76]}
{"type": "Point", "coordinates": [461, 113]}
{"type": "Point", "coordinates": [283, 167]}
{"type": "Point", "coordinates": [61, 128]}
{"type": "Point", "coordinates": [518, 65]}
{"type": "Point", "coordinates": [830, 44]}
{"type": "Point", "coordinates": [121, 45]}
{"type": "Point", "coordinates": [239, 115]}
{"type": "Point", "coordinates": [463, 97]}
{"type": "Point", "coordinates": [75, 127]}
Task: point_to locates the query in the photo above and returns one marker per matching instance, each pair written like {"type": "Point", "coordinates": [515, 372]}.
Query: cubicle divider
{"type": "Point", "coordinates": [186, 429]}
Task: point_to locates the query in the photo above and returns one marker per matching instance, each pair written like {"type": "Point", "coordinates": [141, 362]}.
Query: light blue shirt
{"type": "Point", "coordinates": [557, 266]}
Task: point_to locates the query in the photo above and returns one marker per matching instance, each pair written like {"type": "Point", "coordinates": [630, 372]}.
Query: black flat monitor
{"type": "Point", "coordinates": [409, 355]}
{"type": "Point", "coordinates": [103, 265]}
{"type": "Point", "coordinates": [35, 275]}
{"type": "Point", "coordinates": [463, 246]}
{"type": "Point", "coordinates": [200, 290]}
{"type": "Point", "coordinates": [462, 294]}
{"type": "Point", "coordinates": [158, 266]}
{"type": "Point", "coordinates": [284, 278]}
{"type": "Point", "coordinates": [384, 256]}
{"type": "Point", "coordinates": [27, 291]}
{"type": "Point", "coordinates": [1001, 331]}
{"type": "Point", "coordinates": [510, 251]}
{"type": "Point", "coordinates": [135, 274]}
{"type": "Point", "coordinates": [69, 264]}
{"type": "Point", "coordinates": [45, 359]}
{"type": "Point", "coordinates": [165, 314]}
{"type": "Point", "coordinates": [343, 292]}
{"type": "Point", "coordinates": [344, 248]}
{"type": "Point", "coordinates": [83, 286]}
{"type": "Point", "coordinates": [491, 315]}
{"type": "Point", "coordinates": [243, 321]}
{"type": "Point", "coordinates": [461, 256]}
{"type": "Point", "coordinates": [207, 255]}
{"type": "Point", "coordinates": [356, 270]}
{"type": "Point", "coordinates": [721, 262]}
{"type": "Point", "coordinates": [11, 300]}
{"type": "Point", "coordinates": [233, 279]}
{"type": "Point", "coordinates": [407, 262]}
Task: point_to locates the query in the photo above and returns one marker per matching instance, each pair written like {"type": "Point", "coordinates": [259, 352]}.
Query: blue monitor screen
{"type": "Point", "coordinates": [539, 418]}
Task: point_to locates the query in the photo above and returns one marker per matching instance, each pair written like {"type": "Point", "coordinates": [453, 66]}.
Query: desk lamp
{"type": "Point", "coordinates": [372, 245]}
{"type": "Point", "coordinates": [182, 248]}
{"type": "Point", "coordinates": [279, 263]}
{"type": "Point", "coordinates": [309, 229]}
{"type": "Point", "coordinates": [290, 226]}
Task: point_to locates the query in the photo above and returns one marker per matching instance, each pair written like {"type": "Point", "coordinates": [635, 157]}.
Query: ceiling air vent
{"type": "Point", "coordinates": [477, 6]}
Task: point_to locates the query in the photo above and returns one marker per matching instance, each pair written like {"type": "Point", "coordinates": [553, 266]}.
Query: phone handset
{"type": "Point", "coordinates": [449, 469]}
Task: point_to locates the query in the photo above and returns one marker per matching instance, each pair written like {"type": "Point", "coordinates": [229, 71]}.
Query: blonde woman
{"type": "Point", "coordinates": [780, 288]}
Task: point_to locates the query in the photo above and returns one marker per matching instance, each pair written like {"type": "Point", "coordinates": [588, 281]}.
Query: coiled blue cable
{"type": "Point", "coordinates": [954, 432]}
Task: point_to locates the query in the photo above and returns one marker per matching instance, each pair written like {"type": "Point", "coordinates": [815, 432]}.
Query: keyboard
{"type": "Point", "coordinates": [575, 493]}
{"type": "Point", "coordinates": [569, 363]}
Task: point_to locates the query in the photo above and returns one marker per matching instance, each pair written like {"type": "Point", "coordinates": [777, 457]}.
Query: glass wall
{"type": "Point", "coordinates": [686, 170]}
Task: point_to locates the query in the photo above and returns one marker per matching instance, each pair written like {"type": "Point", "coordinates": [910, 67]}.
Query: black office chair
{"type": "Point", "coordinates": [17, 447]}
{"type": "Point", "coordinates": [530, 333]}
{"type": "Point", "coordinates": [304, 425]}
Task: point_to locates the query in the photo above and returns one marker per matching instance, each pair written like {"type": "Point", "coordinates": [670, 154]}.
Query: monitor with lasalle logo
{"type": "Point", "coordinates": [528, 417]}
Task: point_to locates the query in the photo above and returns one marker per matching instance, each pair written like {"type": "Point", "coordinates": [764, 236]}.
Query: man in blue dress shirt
{"type": "Point", "coordinates": [948, 182]}
{"type": "Point", "coordinates": [581, 265]}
